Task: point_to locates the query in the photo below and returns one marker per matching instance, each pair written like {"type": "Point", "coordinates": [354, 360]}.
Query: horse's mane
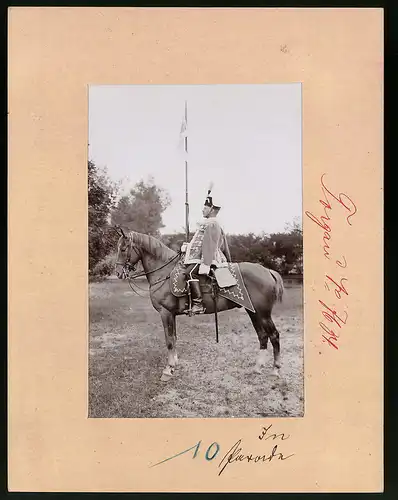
{"type": "Point", "coordinates": [152, 245]}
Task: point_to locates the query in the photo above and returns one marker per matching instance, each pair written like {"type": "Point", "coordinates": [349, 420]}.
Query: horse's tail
{"type": "Point", "coordinates": [278, 284]}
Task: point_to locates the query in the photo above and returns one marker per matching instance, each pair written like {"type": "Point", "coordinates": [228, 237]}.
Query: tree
{"type": "Point", "coordinates": [141, 210]}
{"type": "Point", "coordinates": [101, 199]}
{"type": "Point", "coordinates": [251, 248]}
{"type": "Point", "coordinates": [288, 247]}
{"type": "Point", "coordinates": [175, 240]}
{"type": "Point", "coordinates": [294, 227]}
{"type": "Point", "coordinates": [280, 251]}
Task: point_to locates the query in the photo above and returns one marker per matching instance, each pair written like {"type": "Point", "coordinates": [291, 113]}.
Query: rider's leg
{"type": "Point", "coordinates": [196, 294]}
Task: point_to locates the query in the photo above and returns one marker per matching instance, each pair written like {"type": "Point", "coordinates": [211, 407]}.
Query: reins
{"type": "Point", "coordinates": [161, 280]}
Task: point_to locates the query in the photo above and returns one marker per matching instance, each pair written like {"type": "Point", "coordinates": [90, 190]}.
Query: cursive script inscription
{"type": "Point", "coordinates": [334, 282]}
{"type": "Point", "coordinates": [331, 316]}
{"type": "Point", "coordinates": [264, 434]}
{"type": "Point", "coordinates": [235, 454]}
{"type": "Point", "coordinates": [324, 221]}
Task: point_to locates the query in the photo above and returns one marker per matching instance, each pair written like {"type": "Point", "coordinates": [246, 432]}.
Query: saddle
{"type": "Point", "coordinates": [229, 284]}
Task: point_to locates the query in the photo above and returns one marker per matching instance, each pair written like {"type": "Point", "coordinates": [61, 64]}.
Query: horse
{"type": "Point", "coordinates": [158, 260]}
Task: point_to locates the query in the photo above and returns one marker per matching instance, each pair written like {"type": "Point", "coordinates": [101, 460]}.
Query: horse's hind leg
{"type": "Point", "coordinates": [263, 339]}
{"type": "Point", "coordinates": [266, 329]}
{"type": "Point", "coordinates": [273, 335]}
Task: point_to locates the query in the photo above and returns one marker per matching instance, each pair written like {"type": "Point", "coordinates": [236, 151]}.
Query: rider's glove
{"type": "Point", "coordinates": [204, 269]}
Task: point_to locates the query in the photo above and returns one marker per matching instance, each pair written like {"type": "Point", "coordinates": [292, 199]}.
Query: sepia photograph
{"type": "Point", "coordinates": [189, 310]}
{"type": "Point", "coordinates": [195, 251]}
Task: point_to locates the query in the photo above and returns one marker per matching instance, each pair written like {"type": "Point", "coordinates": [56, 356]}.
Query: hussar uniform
{"type": "Point", "coordinates": [207, 250]}
{"type": "Point", "coordinates": [206, 247]}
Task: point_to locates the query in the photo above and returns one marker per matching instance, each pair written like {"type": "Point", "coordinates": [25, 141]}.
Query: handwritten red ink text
{"type": "Point", "coordinates": [322, 221]}
{"type": "Point", "coordinates": [332, 283]}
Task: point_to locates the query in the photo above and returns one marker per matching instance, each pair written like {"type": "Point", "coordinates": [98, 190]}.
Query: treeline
{"type": "Point", "coordinates": [141, 210]}
{"type": "Point", "coordinates": [280, 251]}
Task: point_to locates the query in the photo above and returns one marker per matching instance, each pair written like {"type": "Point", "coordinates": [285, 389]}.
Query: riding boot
{"type": "Point", "coordinates": [196, 294]}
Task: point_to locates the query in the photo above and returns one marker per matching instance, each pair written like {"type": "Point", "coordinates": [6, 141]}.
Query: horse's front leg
{"type": "Point", "coordinates": [169, 325]}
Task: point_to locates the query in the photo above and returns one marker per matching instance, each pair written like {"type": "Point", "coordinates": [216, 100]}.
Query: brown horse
{"type": "Point", "coordinates": [158, 261]}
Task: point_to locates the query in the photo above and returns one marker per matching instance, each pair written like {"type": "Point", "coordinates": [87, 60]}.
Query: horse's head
{"type": "Point", "coordinates": [127, 255]}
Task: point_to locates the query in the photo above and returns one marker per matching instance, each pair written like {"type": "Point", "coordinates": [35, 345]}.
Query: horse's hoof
{"type": "Point", "coordinates": [258, 370]}
{"type": "Point", "coordinates": [167, 374]}
{"type": "Point", "coordinates": [275, 373]}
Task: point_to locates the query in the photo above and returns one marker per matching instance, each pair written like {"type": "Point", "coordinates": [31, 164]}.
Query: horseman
{"type": "Point", "coordinates": [207, 250]}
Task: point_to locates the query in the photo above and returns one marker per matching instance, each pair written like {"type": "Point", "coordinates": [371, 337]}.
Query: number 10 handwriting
{"type": "Point", "coordinates": [234, 454]}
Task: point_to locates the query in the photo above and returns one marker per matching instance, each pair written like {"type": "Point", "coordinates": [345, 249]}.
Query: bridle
{"type": "Point", "coordinates": [127, 266]}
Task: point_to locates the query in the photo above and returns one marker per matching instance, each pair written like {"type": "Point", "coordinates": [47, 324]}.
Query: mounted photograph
{"type": "Point", "coordinates": [195, 251]}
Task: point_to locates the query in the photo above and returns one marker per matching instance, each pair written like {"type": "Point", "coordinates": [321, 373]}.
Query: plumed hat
{"type": "Point", "coordinates": [209, 200]}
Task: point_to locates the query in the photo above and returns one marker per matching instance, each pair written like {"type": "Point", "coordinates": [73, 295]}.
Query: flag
{"type": "Point", "coordinates": [184, 128]}
{"type": "Point", "coordinates": [183, 133]}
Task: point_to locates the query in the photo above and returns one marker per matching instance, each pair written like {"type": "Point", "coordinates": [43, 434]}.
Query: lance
{"type": "Point", "coordinates": [186, 174]}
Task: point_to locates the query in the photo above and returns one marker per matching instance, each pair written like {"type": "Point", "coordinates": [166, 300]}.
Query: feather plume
{"type": "Point", "coordinates": [210, 187]}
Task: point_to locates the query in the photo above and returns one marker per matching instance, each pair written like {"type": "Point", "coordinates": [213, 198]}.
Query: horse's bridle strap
{"type": "Point", "coordinates": [158, 268]}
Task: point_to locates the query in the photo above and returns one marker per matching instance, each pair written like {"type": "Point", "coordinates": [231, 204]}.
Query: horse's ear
{"type": "Point", "coordinates": [119, 230]}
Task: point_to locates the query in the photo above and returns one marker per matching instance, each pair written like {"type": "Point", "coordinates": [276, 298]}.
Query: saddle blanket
{"type": "Point", "coordinates": [237, 293]}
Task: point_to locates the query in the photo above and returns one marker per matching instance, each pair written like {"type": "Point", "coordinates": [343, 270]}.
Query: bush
{"type": "Point", "coordinates": [105, 267]}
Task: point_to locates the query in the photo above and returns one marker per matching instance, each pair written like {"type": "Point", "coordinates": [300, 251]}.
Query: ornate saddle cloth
{"type": "Point", "coordinates": [237, 293]}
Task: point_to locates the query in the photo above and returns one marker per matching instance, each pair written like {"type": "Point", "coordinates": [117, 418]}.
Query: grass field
{"type": "Point", "coordinates": [128, 353]}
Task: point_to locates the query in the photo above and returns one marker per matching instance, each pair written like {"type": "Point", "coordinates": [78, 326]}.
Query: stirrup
{"type": "Point", "coordinates": [191, 312]}
{"type": "Point", "coordinates": [201, 309]}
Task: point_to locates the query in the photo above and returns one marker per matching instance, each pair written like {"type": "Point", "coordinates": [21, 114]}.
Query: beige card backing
{"type": "Point", "coordinates": [54, 54]}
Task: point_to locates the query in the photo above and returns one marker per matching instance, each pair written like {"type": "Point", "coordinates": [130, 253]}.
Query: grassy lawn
{"type": "Point", "coordinates": [128, 353]}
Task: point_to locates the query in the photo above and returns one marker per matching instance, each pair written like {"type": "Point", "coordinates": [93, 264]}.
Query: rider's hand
{"type": "Point", "coordinates": [184, 247]}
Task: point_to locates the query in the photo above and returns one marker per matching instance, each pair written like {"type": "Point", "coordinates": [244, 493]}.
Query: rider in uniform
{"type": "Point", "coordinates": [207, 250]}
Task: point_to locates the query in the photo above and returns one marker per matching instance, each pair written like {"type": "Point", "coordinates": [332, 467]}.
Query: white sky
{"type": "Point", "coordinates": [244, 138]}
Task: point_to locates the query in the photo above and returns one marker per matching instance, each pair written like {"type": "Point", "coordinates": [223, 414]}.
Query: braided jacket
{"type": "Point", "coordinates": [208, 246]}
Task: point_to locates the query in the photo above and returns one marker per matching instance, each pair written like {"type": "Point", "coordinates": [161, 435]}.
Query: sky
{"type": "Point", "coordinates": [246, 139]}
